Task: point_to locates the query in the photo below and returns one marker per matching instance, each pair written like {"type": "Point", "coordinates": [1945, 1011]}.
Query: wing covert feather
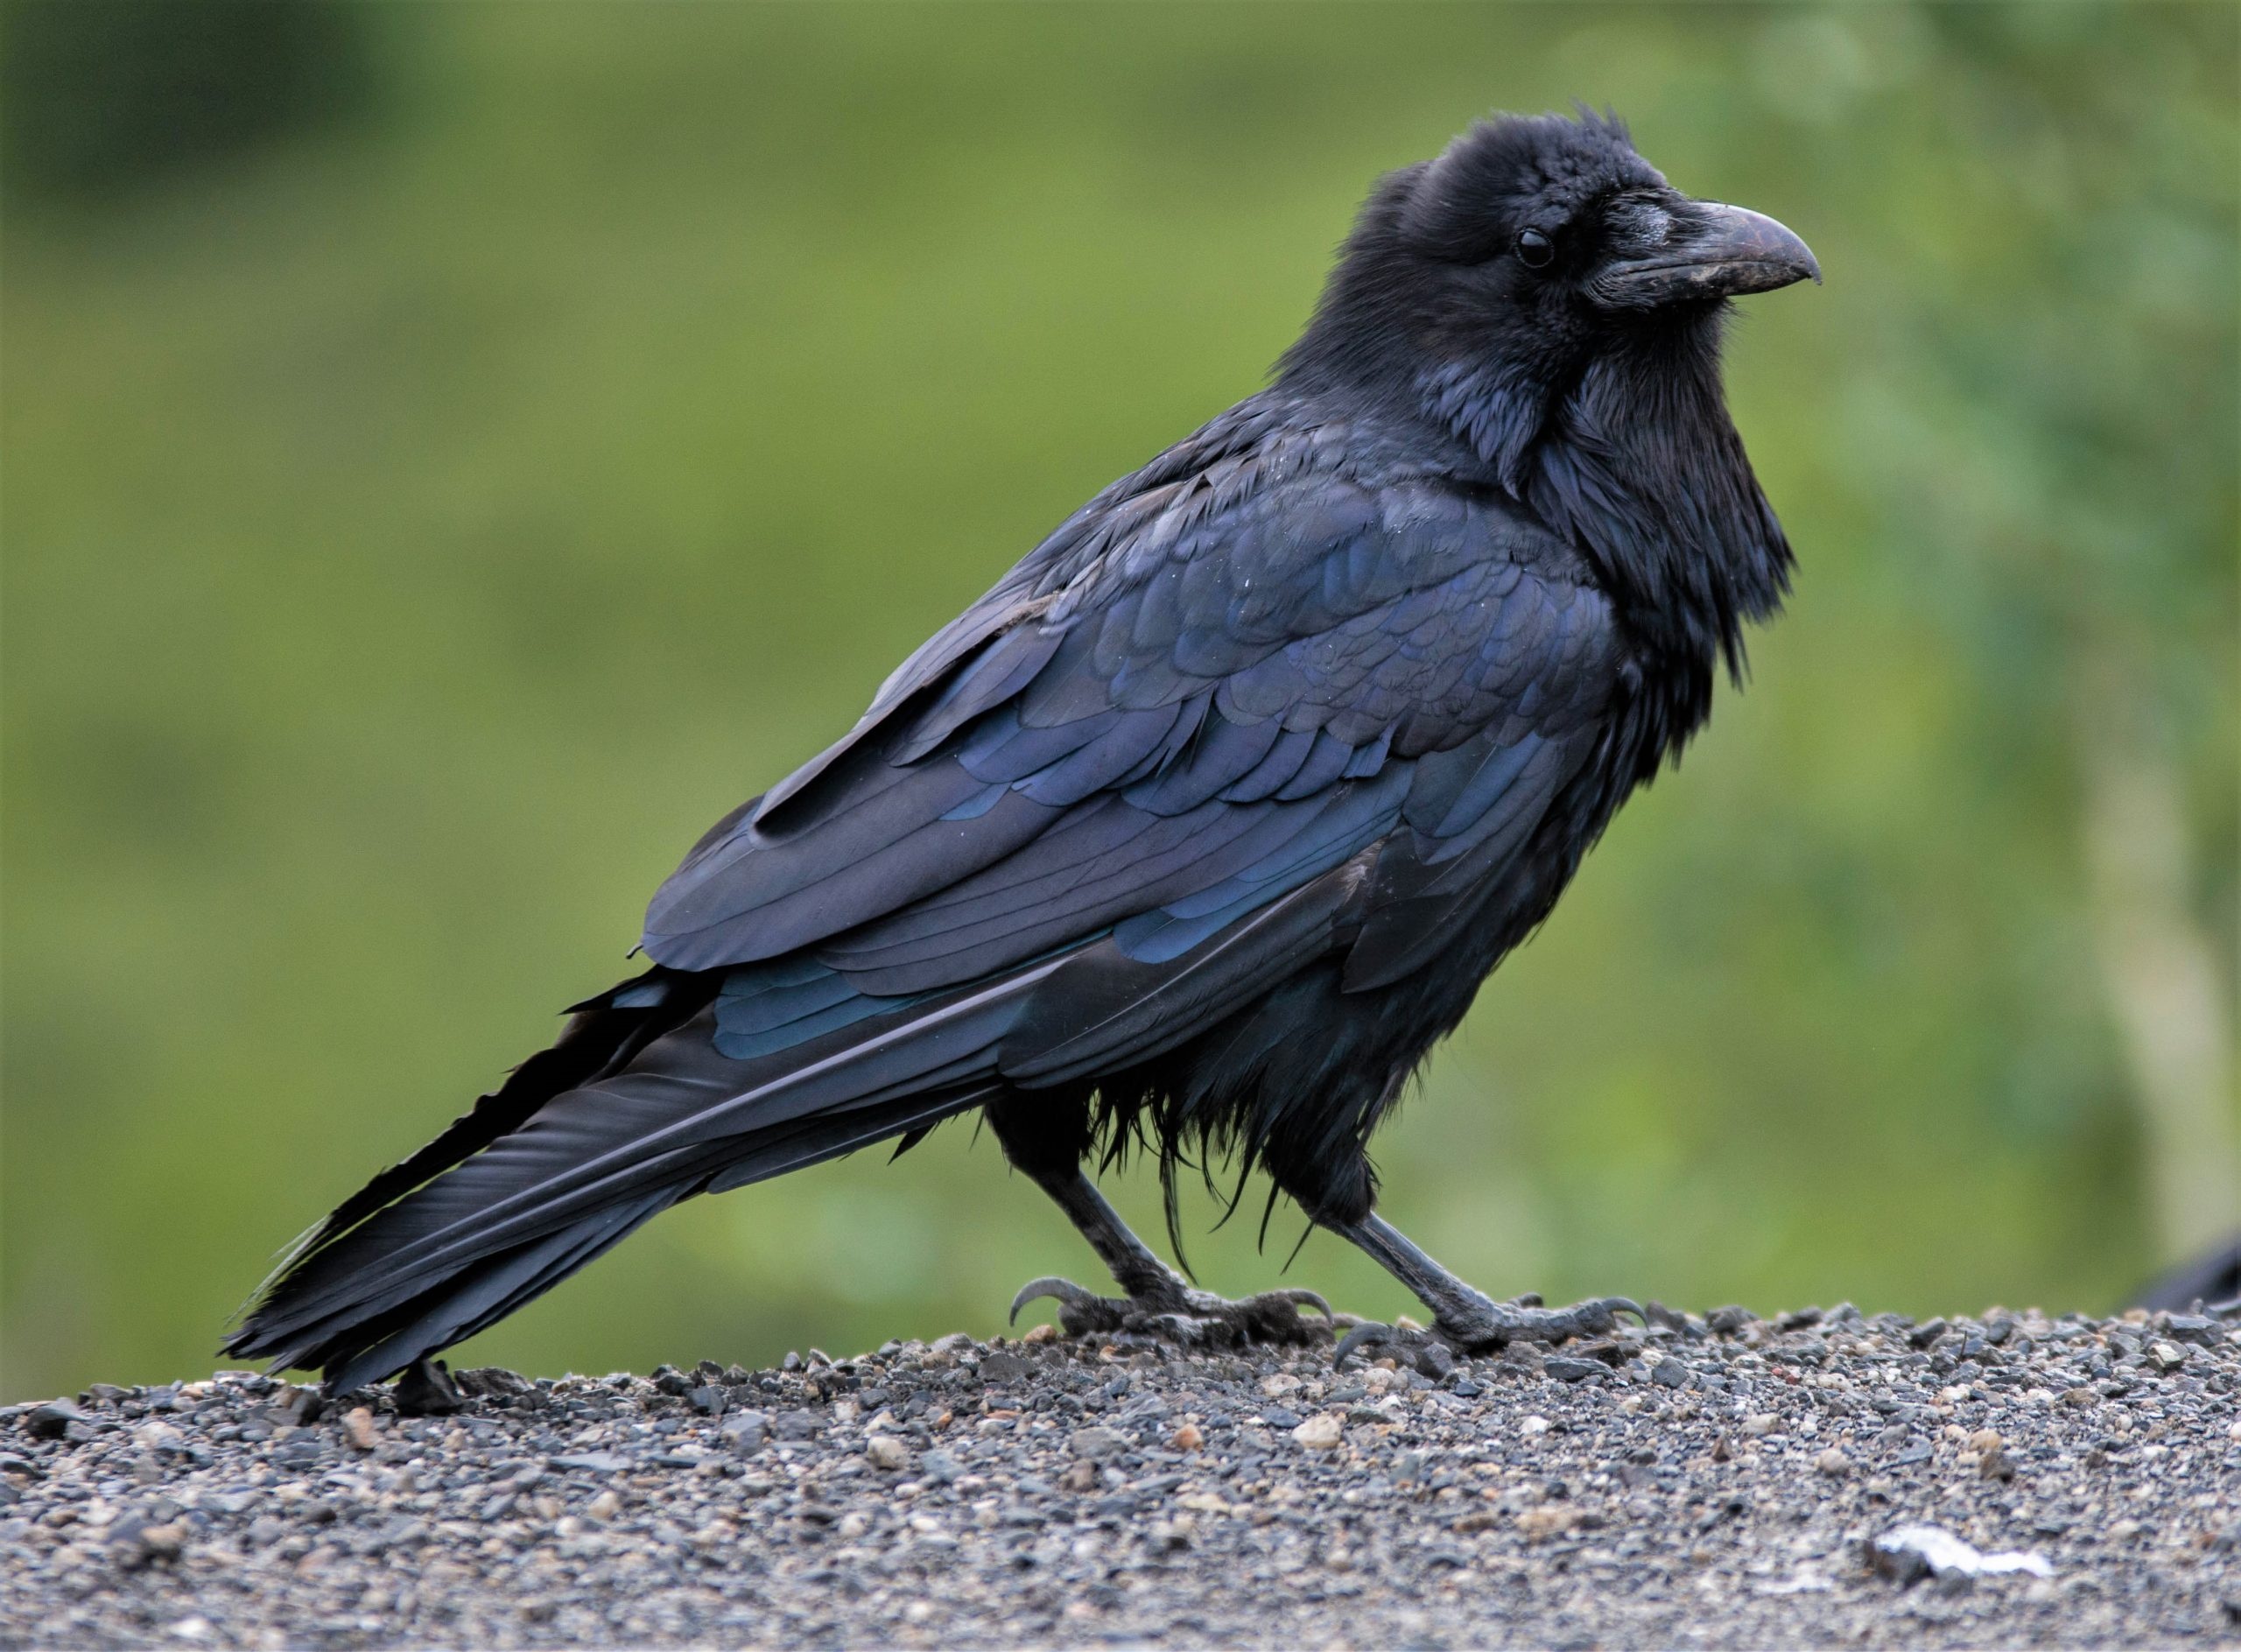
{"type": "Point", "coordinates": [1195, 700]}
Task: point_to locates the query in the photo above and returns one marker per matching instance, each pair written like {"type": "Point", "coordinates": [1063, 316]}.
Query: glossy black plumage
{"type": "Point", "coordinates": [1208, 820]}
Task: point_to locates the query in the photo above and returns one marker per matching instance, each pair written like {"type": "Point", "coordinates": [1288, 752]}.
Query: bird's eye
{"type": "Point", "coordinates": [1534, 249]}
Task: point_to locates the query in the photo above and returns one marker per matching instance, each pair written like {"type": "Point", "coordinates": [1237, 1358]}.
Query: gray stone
{"type": "Point", "coordinates": [744, 1431]}
{"type": "Point", "coordinates": [52, 1420]}
{"type": "Point", "coordinates": [1004, 1366]}
{"type": "Point", "coordinates": [1098, 1444]}
{"type": "Point", "coordinates": [1567, 1369]}
{"type": "Point", "coordinates": [592, 1462]}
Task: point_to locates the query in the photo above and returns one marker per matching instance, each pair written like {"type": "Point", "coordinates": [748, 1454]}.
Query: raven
{"type": "Point", "coordinates": [1206, 822]}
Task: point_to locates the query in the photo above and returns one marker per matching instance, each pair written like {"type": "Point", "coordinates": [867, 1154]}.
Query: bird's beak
{"type": "Point", "coordinates": [1714, 252]}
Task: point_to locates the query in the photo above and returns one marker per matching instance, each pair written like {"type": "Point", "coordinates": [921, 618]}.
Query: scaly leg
{"type": "Point", "coordinates": [1160, 1303]}
{"type": "Point", "coordinates": [1463, 1317]}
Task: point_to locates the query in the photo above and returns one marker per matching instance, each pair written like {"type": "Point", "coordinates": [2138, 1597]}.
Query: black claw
{"type": "Point", "coordinates": [1592, 1319]}
{"type": "Point", "coordinates": [1191, 1318]}
{"type": "Point", "coordinates": [1360, 1337]}
{"type": "Point", "coordinates": [1065, 1292]}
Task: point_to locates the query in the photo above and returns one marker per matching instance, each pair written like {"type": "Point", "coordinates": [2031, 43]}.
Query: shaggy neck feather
{"type": "Point", "coordinates": [1639, 466]}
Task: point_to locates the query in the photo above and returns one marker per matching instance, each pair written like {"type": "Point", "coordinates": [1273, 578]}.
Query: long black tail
{"type": "Point", "coordinates": [632, 1110]}
{"type": "Point", "coordinates": [601, 1036]}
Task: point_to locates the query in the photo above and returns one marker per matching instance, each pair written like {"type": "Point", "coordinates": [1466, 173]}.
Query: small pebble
{"type": "Point", "coordinates": [744, 1431]}
{"type": "Point", "coordinates": [1548, 1520]}
{"type": "Point", "coordinates": [1098, 1444]}
{"type": "Point", "coordinates": [52, 1420]}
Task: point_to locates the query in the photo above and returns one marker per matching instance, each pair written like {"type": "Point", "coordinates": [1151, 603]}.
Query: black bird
{"type": "Point", "coordinates": [2212, 1278]}
{"type": "Point", "coordinates": [1205, 824]}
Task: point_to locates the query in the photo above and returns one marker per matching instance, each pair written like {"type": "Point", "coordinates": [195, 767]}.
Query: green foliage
{"type": "Point", "coordinates": [416, 533]}
{"type": "Point", "coordinates": [104, 97]}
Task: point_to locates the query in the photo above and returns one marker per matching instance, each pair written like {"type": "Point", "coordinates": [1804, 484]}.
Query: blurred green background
{"type": "Point", "coordinates": [454, 453]}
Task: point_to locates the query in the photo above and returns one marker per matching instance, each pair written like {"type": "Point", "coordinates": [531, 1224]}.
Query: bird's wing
{"type": "Point", "coordinates": [1233, 682]}
{"type": "Point", "coordinates": [1242, 682]}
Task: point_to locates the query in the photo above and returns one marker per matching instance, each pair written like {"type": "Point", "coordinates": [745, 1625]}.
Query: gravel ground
{"type": "Point", "coordinates": [1711, 1481]}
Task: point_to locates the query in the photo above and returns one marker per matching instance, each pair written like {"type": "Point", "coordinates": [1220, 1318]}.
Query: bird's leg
{"type": "Point", "coordinates": [1160, 1303]}
{"type": "Point", "coordinates": [1463, 1317]}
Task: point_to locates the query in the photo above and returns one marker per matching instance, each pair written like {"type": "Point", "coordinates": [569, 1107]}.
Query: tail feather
{"type": "Point", "coordinates": [681, 1104]}
{"type": "Point", "coordinates": [600, 1035]}
{"type": "Point", "coordinates": [485, 1293]}
{"type": "Point", "coordinates": [362, 1340]}
{"type": "Point", "coordinates": [418, 1261]}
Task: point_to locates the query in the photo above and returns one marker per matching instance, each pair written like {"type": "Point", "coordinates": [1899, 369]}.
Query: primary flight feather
{"type": "Point", "coordinates": [1208, 820]}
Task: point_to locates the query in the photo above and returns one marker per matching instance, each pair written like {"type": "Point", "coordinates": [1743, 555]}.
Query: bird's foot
{"type": "Point", "coordinates": [1484, 1325]}
{"type": "Point", "coordinates": [1180, 1315]}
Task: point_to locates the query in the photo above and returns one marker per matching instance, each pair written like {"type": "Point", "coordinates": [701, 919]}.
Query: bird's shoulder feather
{"type": "Point", "coordinates": [1271, 649]}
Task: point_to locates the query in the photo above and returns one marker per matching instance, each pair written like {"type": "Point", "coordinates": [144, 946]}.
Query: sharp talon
{"type": "Point", "coordinates": [1361, 1336]}
{"type": "Point", "coordinates": [1602, 1313]}
{"type": "Point", "coordinates": [1191, 1318]}
{"type": "Point", "coordinates": [1064, 1292]}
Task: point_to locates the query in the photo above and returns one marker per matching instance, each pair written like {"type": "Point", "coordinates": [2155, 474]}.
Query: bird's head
{"type": "Point", "coordinates": [1529, 248]}
{"type": "Point", "coordinates": [1542, 293]}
